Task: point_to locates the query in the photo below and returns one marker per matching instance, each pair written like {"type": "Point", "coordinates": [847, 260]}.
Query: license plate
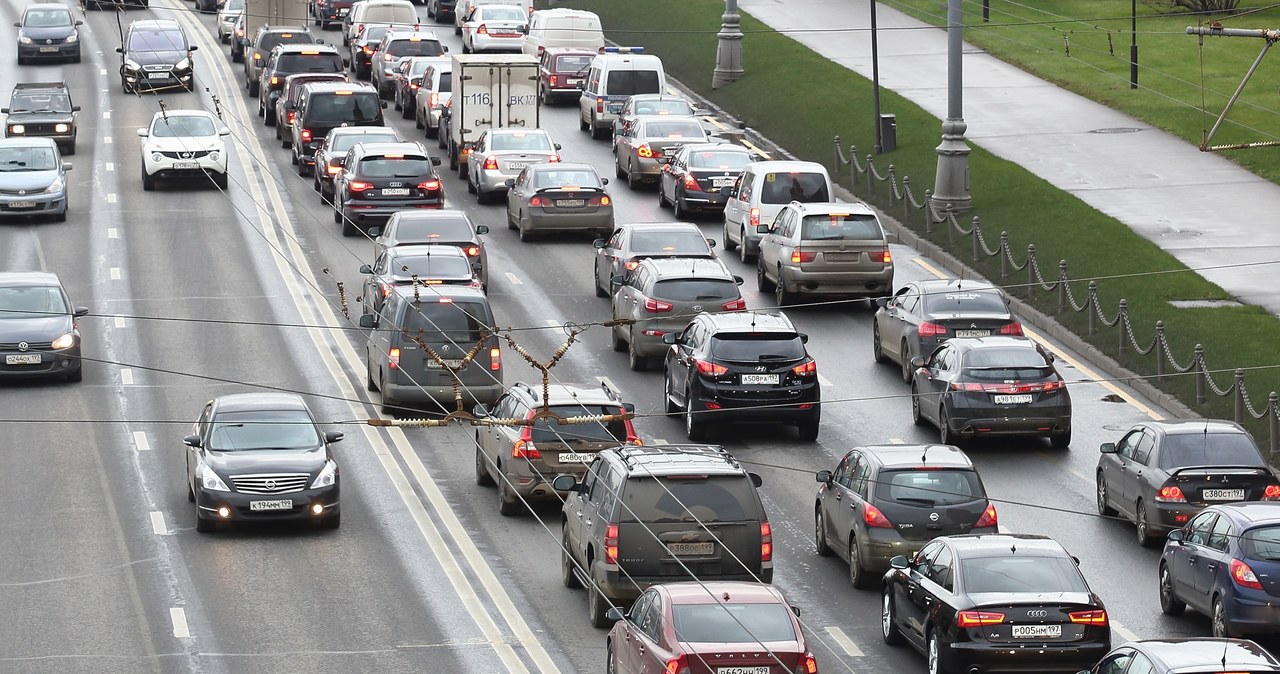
{"type": "Point", "coordinates": [669, 151]}
{"type": "Point", "coordinates": [1037, 631]}
{"type": "Point", "coordinates": [1223, 494]}
{"type": "Point", "coordinates": [22, 204]}
{"type": "Point", "coordinates": [719, 183]}
{"type": "Point", "coordinates": [840, 257]}
{"type": "Point", "coordinates": [395, 192]}
{"type": "Point", "coordinates": [691, 548]}
{"type": "Point", "coordinates": [22, 359]}
{"type": "Point", "coordinates": [973, 333]}
{"type": "Point", "coordinates": [743, 670]}
{"type": "Point", "coordinates": [517, 165]}
{"type": "Point", "coordinates": [158, 76]}
{"type": "Point", "coordinates": [342, 11]}
{"type": "Point", "coordinates": [571, 203]}
{"type": "Point", "coordinates": [575, 457]}
{"type": "Point", "coordinates": [760, 379]}
{"type": "Point", "coordinates": [48, 49]}
{"type": "Point", "coordinates": [614, 108]}
{"type": "Point", "coordinates": [454, 363]}
{"type": "Point", "coordinates": [186, 165]}
{"type": "Point", "coordinates": [574, 82]}
{"type": "Point", "coordinates": [1011, 399]}
{"type": "Point", "coordinates": [282, 504]}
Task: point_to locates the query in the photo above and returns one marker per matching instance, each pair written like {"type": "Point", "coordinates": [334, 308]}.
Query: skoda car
{"type": "Point", "coordinates": [33, 178]}
{"type": "Point", "coordinates": [184, 144]}
{"type": "Point", "coordinates": [38, 334]}
{"type": "Point", "coordinates": [48, 31]}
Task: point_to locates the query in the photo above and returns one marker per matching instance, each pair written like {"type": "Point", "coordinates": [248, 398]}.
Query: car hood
{"type": "Point", "coordinates": [185, 143]}
{"type": "Point", "coordinates": [49, 32]}
{"type": "Point", "coordinates": [267, 461]}
{"type": "Point", "coordinates": [26, 180]}
{"type": "Point", "coordinates": [42, 329]}
{"type": "Point", "coordinates": [40, 117]}
{"type": "Point", "coordinates": [153, 58]}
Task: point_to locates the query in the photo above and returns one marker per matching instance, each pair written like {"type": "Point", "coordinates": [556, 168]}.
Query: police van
{"type": "Point", "coordinates": [616, 74]}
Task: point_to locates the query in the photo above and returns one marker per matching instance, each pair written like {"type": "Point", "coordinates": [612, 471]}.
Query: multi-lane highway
{"type": "Point", "coordinates": [197, 293]}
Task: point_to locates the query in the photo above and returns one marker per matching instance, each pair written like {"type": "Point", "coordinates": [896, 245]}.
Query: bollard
{"type": "Point", "coordinates": [977, 225]}
{"type": "Point", "coordinates": [835, 163]}
{"type": "Point", "coordinates": [1199, 365]}
{"type": "Point", "coordinates": [1122, 321]}
{"type": "Point", "coordinates": [1031, 271]}
{"type": "Point", "coordinates": [1089, 305]}
{"type": "Point", "coordinates": [1004, 254]}
{"type": "Point", "coordinates": [1159, 349]}
{"type": "Point", "coordinates": [906, 197]}
{"type": "Point", "coordinates": [1062, 287]}
{"type": "Point", "coordinates": [1275, 423]}
{"type": "Point", "coordinates": [893, 182]}
{"type": "Point", "coordinates": [871, 175]}
{"type": "Point", "coordinates": [928, 211]}
{"type": "Point", "coordinates": [1239, 386]}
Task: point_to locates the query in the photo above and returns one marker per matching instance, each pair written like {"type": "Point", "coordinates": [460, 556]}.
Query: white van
{"type": "Point", "coordinates": [762, 190]}
{"type": "Point", "coordinates": [560, 27]}
{"type": "Point", "coordinates": [462, 10]}
{"type": "Point", "coordinates": [616, 74]}
{"type": "Point", "coordinates": [378, 12]}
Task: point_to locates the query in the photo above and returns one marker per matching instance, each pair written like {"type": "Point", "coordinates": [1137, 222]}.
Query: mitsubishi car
{"type": "Point", "coordinates": [184, 144]}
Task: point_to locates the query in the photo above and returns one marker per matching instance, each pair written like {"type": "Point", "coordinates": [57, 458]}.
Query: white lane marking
{"type": "Point", "coordinates": [895, 441]}
{"type": "Point", "coordinates": [106, 114]}
{"type": "Point", "coordinates": [824, 381]}
{"type": "Point", "coordinates": [553, 323]}
{"type": "Point", "coordinates": [106, 139]}
{"type": "Point", "coordinates": [659, 441]}
{"type": "Point", "coordinates": [108, 166]}
{"type": "Point", "coordinates": [113, 233]}
{"type": "Point", "coordinates": [35, 242]}
{"type": "Point", "coordinates": [115, 273]}
{"type": "Point", "coordinates": [111, 198]}
{"type": "Point", "coordinates": [126, 376]}
{"type": "Point", "coordinates": [157, 523]}
{"type": "Point", "coordinates": [1124, 632]}
{"type": "Point", "coordinates": [179, 618]}
{"type": "Point", "coordinates": [514, 279]}
{"type": "Point", "coordinates": [102, 71]}
{"type": "Point", "coordinates": [140, 441]}
{"type": "Point", "coordinates": [845, 642]}
{"type": "Point", "coordinates": [119, 321]}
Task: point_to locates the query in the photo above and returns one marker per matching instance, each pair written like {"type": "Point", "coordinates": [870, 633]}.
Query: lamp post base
{"type": "Point", "coordinates": [951, 186]}
{"type": "Point", "coordinates": [729, 48]}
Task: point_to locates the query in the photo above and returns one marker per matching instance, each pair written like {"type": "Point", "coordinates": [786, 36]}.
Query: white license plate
{"type": "Point", "coordinates": [158, 76]}
{"type": "Point", "coordinates": [1223, 494]}
{"type": "Point", "coordinates": [743, 670]}
{"type": "Point", "coordinates": [22, 359]}
{"type": "Point", "coordinates": [669, 151]}
{"type": "Point", "coordinates": [186, 165]}
{"type": "Point", "coordinates": [452, 363]}
{"type": "Point", "coordinates": [574, 82]}
{"type": "Point", "coordinates": [395, 192]}
{"type": "Point", "coordinates": [722, 182]}
{"type": "Point", "coordinates": [691, 548]}
{"type": "Point", "coordinates": [575, 457]}
{"type": "Point", "coordinates": [22, 204]}
{"type": "Point", "coordinates": [760, 379]}
{"type": "Point", "coordinates": [1017, 399]}
{"type": "Point", "coordinates": [1037, 631]}
{"type": "Point", "coordinates": [614, 108]}
{"type": "Point", "coordinates": [973, 333]}
{"type": "Point", "coordinates": [342, 11]}
{"type": "Point", "coordinates": [571, 203]}
{"type": "Point", "coordinates": [281, 504]}
{"type": "Point", "coordinates": [48, 49]}
{"type": "Point", "coordinates": [517, 165]}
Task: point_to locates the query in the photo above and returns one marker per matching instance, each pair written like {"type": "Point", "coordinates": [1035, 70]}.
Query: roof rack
{"type": "Point", "coordinates": [632, 452]}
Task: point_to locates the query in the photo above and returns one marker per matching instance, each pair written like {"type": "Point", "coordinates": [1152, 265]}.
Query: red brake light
{"type": "Point", "coordinates": [368, 49]}
{"type": "Point", "coordinates": [386, 289]}
{"type": "Point", "coordinates": [801, 256]}
{"type": "Point", "coordinates": [539, 202]}
{"type": "Point", "coordinates": [358, 186]}
{"type": "Point", "coordinates": [709, 369]}
{"type": "Point", "coordinates": [393, 358]}
{"type": "Point", "coordinates": [473, 251]}
{"type": "Point", "coordinates": [1098, 617]}
{"type": "Point", "coordinates": [274, 80]}
{"type": "Point", "coordinates": [929, 329]}
{"type": "Point", "coordinates": [881, 256]}
{"type": "Point", "coordinates": [808, 665]}
{"type": "Point", "coordinates": [1014, 328]}
{"type": "Point", "coordinates": [735, 305]}
{"type": "Point", "coordinates": [482, 30]}
{"type": "Point", "coordinates": [755, 218]}
{"type": "Point", "coordinates": [490, 164]}
{"type": "Point", "coordinates": [1170, 494]}
{"type": "Point", "coordinates": [334, 169]}
{"type": "Point", "coordinates": [429, 185]}
{"type": "Point", "coordinates": [553, 81]}
{"type": "Point", "coordinates": [495, 359]}
{"type": "Point", "coordinates": [644, 151]}
{"type": "Point", "coordinates": [599, 104]}
{"type": "Point", "coordinates": [766, 542]}
{"type": "Point", "coordinates": [306, 135]}
{"type": "Point", "coordinates": [806, 369]}
{"type": "Point", "coordinates": [292, 114]}
{"type": "Point", "coordinates": [677, 665]}
{"type": "Point", "coordinates": [631, 265]}
{"type": "Point", "coordinates": [1272, 493]}
{"type": "Point", "coordinates": [874, 518]}
{"type": "Point", "coordinates": [691, 183]}
{"type": "Point", "coordinates": [978, 618]}
{"type": "Point", "coordinates": [1243, 575]}
{"type": "Point", "coordinates": [554, 158]}
{"type": "Point", "coordinates": [611, 544]}
{"type": "Point", "coordinates": [434, 100]}
{"type": "Point", "coordinates": [657, 306]}
{"type": "Point", "coordinates": [524, 449]}
{"type": "Point", "coordinates": [989, 517]}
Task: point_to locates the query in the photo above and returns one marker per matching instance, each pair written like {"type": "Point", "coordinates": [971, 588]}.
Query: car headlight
{"type": "Point", "coordinates": [17, 128]}
{"type": "Point", "coordinates": [183, 64]}
{"type": "Point", "coordinates": [214, 156]}
{"type": "Point", "coordinates": [65, 342]}
{"type": "Point", "coordinates": [23, 39]}
{"type": "Point", "coordinates": [55, 186]}
{"type": "Point", "coordinates": [130, 64]}
{"type": "Point", "coordinates": [328, 475]}
{"type": "Point", "coordinates": [210, 480]}
{"type": "Point", "coordinates": [157, 157]}
{"type": "Point", "coordinates": [73, 38]}
{"type": "Point", "coordinates": [61, 128]}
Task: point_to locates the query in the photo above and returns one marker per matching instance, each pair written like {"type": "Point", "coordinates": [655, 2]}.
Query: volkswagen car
{"type": "Point", "coordinates": [48, 31]}
{"type": "Point", "coordinates": [39, 336]}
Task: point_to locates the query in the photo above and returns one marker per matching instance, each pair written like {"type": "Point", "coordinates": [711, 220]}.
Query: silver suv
{"type": "Point", "coordinates": [824, 249]}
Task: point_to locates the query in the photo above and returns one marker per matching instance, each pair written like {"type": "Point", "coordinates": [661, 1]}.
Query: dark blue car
{"type": "Point", "coordinates": [1225, 563]}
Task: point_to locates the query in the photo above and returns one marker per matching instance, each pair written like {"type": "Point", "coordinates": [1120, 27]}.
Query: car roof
{"type": "Point", "coordinates": [1198, 426]}
{"type": "Point", "coordinates": [155, 24]}
{"type": "Point", "coordinates": [688, 267]}
{"type": "Point", "coordinates": [26, 87]}
{"type": "Point", "coordinates": [425, 250]}
{"type": "Point", "coordinates": [660, 226]}
{"type": "Point", "coordinates": [363, 130]}
{"type": "Point", "coordinates": [722, 591]}
{"type": "Point", "coordinates": [936, 285]}
{"type": "Point", "coordinates": [331, 87]}
{"type": "Point", "coordinates": [714, 147]}
{"type": "Point", "coordinates": [46, 6]}
{"type": "Point", "coordinates": [761, 320]}
{"type": "Point", "coordinates": [14, 279]}
{"type": "Point", "coordinates": [1007, 544]}
{"type": "Point", "coordinates": [569, 51]}
{"type": "Point", "coordinates": [916, 456]}
{"type": "Point", "coordinates": [659, 97]}
{"type": "Point", "coordinates": [397, 32]}
{"type": "Point", "coordinates": [182, 112]}
{"type": "Point", "coordinates": [566, 393]}
{"type": "Point", "coordinates": [659, 119]}
{"type": "Point", "coordinates": [1252, 512]}
{"type": "Point", "coordinates": [402, 147]}
{"type": "Point", "coordinates": [1199, 652]}
{"type": "Point", "coordinates": [301, 47]}
{"type": "Point", "coordinates": [679, 459]}
{"type": "Point", "coordinates": [283, 29]}
{"type": "Point", "coordinates": [994, 341]}
{"type": "Point", "coordinates": [563, 166]}
{"type": "Point", "coordinates": [785, 166]}
{"type": "Point", "coordinates": [29, 141]}
{"type": "Point", "coordinates": [259, 400]}
{"type": "Point", "coordinates": [829, 207]}
{"type": "Point", "coordinates": [452, 291]}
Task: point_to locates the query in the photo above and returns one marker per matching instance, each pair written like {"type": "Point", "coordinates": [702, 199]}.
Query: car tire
{"type": "Point", "coordinates": [597, 607]}
{"type": "Point", "coordinates": [763, 284]}
{"type": "Point", "coordinates": [679, 211]}
{"type": "Point", "coordinates": [388, 404]}
{"type": "Point", "coordinates": [253, 89]}
{"type": "Point", "coordinates": [820, 534]}
{"type": "Point", "coordinates": [525, 235]}
{"type": "Point", "coordinates": [331, 522]}
{"type": "Point", "coordinates": [808, 430]}
{"type": "Point", "coordinates": [204, 525]}
{"type": "Point", "coordinates": [743, 253]}
{"type": "Point", "coordinates": [71, 149]}
{"type": "Point", "coordinates": [596, 132]}
{"type": "Point", "coordinates": [567, 576]}
{"type": "Point", "coordinates": [191, 494]}
{"type": "Point", "coordinates": [888, 629]}
{"type": "Point", "coordinates": [349, 228]}
{"type": "Point", "coordinates": [62, 217]}
{"type": "Point", "coordinates": [933, 653]}
{"type": "Point", "coordinates": [859, 577]}
{"type": "Point", "coordinates": [725, 241]}
{"type": "Point", "coordinates": [369, 384]}
{"type": "Point", "coordinates": [877, 351]}
{"type": "Point", "coordinates": [417, 121]}
{"type": "Point", "coordinates": [635, 361]}
{"type": "Point", "coordinates": [508, 506]}
{"type": "Point", "coordinates": [1060, 440]}
{"type": "Point", "coordinates": [781, 295]}
{"type": "Point", "coordinates": [693, 426]}
{"type": "Point", "coordinates": [1169, 602]}
{"type": "Point", "coordinates": [609, 667]}
{"type": "Point", "coordinates": [916, 417]}
{"type": "Point", "coordinates": [220, 181]}
{"type": "Point", "coordinates": [407, 112]}
{"type": "Point", "coordinates": [483, 478]}
{"type": "Point", "coordinates": [905, 355]}
{"type": "Point", "coordinates": [303, 168]}
{"type": "Point", "coordinates": [1141, 526]}
{"type": "Point", "coordinates": [237, 56]}
{"type": "Point", "coordinates": [595, 280]}
{"type": "Point", "coordinates": [669, 405]}
{"type": "Point", "coordinates": [945, 436]}
{"type": "Point", "coordinates": [1218, 619]}
{"type": "Point", "coordinates": [148, 182]}
{"type": "Point", "coordinates": [582, 122]}
{"type": "Point", "coordinates": [1104, 509]}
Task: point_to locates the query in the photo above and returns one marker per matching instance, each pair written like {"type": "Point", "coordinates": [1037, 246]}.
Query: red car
{"type": "Point", "coordinates": [560, 73]}
{"type": "Point", "coordinates": [700, 628]}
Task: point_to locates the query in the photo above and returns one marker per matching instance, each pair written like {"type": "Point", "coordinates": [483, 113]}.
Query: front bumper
{"type": "Point", "coordinates": [52, 363]}
{"type": "Point", "coordinates": [62, 139]}
{"type": "Point", "coordinates": [34, 204]}
{"type": "Point", "coordinates": [854, 283]}
{"type": "Point", "coordinates": [158, 80]}
{"type": "Point", "coordinates": [178, 169]}
{"type": "Point", "coordinates": [239, 509]}
{"type": "Point", "coordinates": [47, 51]}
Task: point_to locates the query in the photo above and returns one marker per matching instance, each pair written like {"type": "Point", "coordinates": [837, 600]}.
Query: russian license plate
{"type": "Point", "coordinates": [840, 257]}
{"type": "Point", "coordinates": [454, 363]}
{"type": "Point", "coordinates": [614, 107]}
{"type": "Point", "coordinates": [973, 333]}
{"type": "Point", "coordinates": [342, 11]}
{"type": "Point", "coordinates": [281, 504]}
{"type": "Point", "coordinates": [571, 203]}
{"type": "Point", "coordinates": [574, 82]}
{"type": "Point", "coordinates": [517, 165]}
{"type": "Point", "coordinates": [395, 192]}
{"type": "Point", "coordinates": [669, 151]}
{"type": "Point", "coordinates": [1223, 494]}
{"type": "Point", "coordinates": [186, 165]}
{"type": "Point", "coordinates": [743, 670]}
{"type": "Point", "coordinates": [1017, 399]}
{"type": "Point", "coordinates": [575, 457]}
{"type": "Point", "coordinates": [1037, 631]}
{"type": "Point", "coordinates": [22, 359]}
{"type": "Point", "coordinates": [760, 379]}
{"type": "Point", "coordinates": [47, 50]}
{"type": "Point", "coordinates": [719, 183]}
{"type": "Point", "coordinates": [158, 76]}
{"type": "Point", "coordinates": [22, 204]}
{"type": "Point", "coordinates": [680, 549]}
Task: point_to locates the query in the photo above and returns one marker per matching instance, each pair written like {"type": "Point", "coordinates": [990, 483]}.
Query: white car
{"type": "Point", "coordinates": [228, 13]}
{"type": "Point", "coordinates": [184, 144]}
{"type": "Point", "coordinates": [501, 154]}
{"type": "Point", "coordinates": [495, 28]}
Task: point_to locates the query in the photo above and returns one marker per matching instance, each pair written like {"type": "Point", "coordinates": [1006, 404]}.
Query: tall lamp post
{"type": "Point", "coordinates": [875, 81]}
{"type": "Point", "coordinates": [951, 186]}
{"type": "Point", "coordinates": [729, 48]}
{"type": "Point", "coordinates": [1133, 46]}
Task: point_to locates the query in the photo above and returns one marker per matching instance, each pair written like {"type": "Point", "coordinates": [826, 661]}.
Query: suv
{"type": "Point", "coordinates": [523, 460]}
{"type": "Point", "coordinates": [325, 106]}
{"type": "Point", "coordinates": [661, 295]}
{"type": "Point", "coordinates": [378, 179]}
{"type": "Point", "coordinates": [648, 515]}
{"type": "Point", "coordinates": [828, 249]}
{"type": "Point", "coordinates": [742, 366]}
{"type": "Point", "coordinates": [441, 228]}
{"type": "Point", "coordinates": [889, 500]}
{"type": "Point", "coordinates": [434, 93]}
{"type": "Point", "coordinates": [184, 145]}
{"type": "Point", "coordinates": [155, 55]}
{"type": "Point", "coordinates": [261, 45]}
{"type": "Point", "coordinates": [288, 59]}
{"type": "Point", "coordinates": [396, 44]}
{"type": "Point", "coordinates": [325, 12]}
{"type": "Point", "coordinates": [290, 93]}
{"type": "Point", "coordinates": [42, 109]}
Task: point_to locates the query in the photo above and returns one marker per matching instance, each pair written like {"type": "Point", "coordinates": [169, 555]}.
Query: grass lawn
{"type": "Point", "coordinates": [801, 101]}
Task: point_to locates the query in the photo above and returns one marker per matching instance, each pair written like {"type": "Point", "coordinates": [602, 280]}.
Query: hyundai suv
{"type": "Point", "coordinates": [379, 179]}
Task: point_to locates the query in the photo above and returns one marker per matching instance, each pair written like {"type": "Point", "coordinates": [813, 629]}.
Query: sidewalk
{"type": "Point", "coordinates": [1199, 207]}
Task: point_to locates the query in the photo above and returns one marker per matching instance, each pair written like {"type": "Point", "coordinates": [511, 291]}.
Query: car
{"type": "Point", "coordinates": [1225, 564]}
{"type": "Point", "coordinates": [426, 265]}
{"type": "Point", "coordinates": [184, 145]}
{"type": "Point", "coordinates": [121, 4]}
{"type": "Point", "coordinates": [616, 74]}
{"type": "Point", "coordinates": [646, 515]}
{"type": "Point", "coordinates": [1185, 655]}
{"type": "Point", "coordinates": [228, 14]}
{"type": "Point", "coordinates": [39, 332]}
{"type": "Point", "coordinates": [445, 227]}
{"type": "Point", "coordinates": [408, 79]}
{"type": "Point", "coordinates": [923, 314]}
{"type": "Point", "coordinates": [327, 12]}
{"type": "Point", "coordinates": [257, 457]}
{"type": "Point", "coordinates": [259, 48]}
{"type": "Point", "coordinates": [764, 188]}
{"type": "Point", "coordinates": [239, 39]}
{"type": "Point", "coordinates": [289, 59]}
{"type": "Point", "coordinates": [441, 10]}
{"type": "Point", "coordinates": [207, 6]}
{"type": "Point", "coordinates": [492, 28]}
{"type": "Point", "coordinates": [660, 296]}
{"type": "Point", "coordinates": [332, 152]}
{"type": "Point", "coordinates": [988, 386]}
{"type": "Point", "coordinates": [396, 44]}
{"type": "Point", "coordinates": [560, 72]}
{"type": "Point", "coordinates": [645, 141]}
{"type": "Point", "coordinates": [994, 602]}
{"type": "Point", "coordinates": [48, 31]}
{"type": "Point", "coordinates": [899, 497]}
{"type": "Point", "coordinates": [559, 197]}
{"type": "Point", "coordinates": [33, 179]}
{"type": "Point", "coordinates": [363, 48]}
{"type": "Point", "coordinates": [42, 109]}
{"type": "Point", "coordinates": [290, 95]}
{"type": "Point", "coordinates": [629, 243]}
{"type": "Point", "coordinates": [744, 367]}
{"type": "Point", "coordinates": [501, 154]}
{"type": "Point", "coordinates": [324, 106]}
{"type": "Point", "coordinates": [522, 461]}
{"type": "Point", "coordinates": [1161, 473]}
{"type": "Point", "coordinates": [434, 93]}
{"type": "Point", "coordinates": [644, 105]}
{"type": "Point", "coordinates": [724, 626]}
{"type": "Point", "coordinates": [691, 179]}
{"type": "Point", "coordinates": [155, 55]}
{"type": "Point", "coordinates": [831, 249]}
{"type": "Point", "coordinates": [378, 179]}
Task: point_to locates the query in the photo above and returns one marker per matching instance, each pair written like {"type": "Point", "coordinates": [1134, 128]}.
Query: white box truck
{"type": "Point", "coordinates": [271, 13]}
{"type": "Point", "coordinates": [489, 91]}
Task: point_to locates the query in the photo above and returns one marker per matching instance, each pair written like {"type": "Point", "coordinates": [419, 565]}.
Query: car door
{"type": "Point", "coordinates": [481, 147]}
{"type": "Point", "coordinates": [624, 295]}
{"type": "Point", "coordinates": [652, 654]}
{"type": "Point", "coordinates": [1131, 483]}
{"type": "Point", "coordinates": [769, 243]}
{"type": "Point", "coordinates": [627, 652]}
{"type": "Point", "coordinates": [516, 197]}
{"type": "Point", "coordinates": [574, 511]}
{"type": "Point", "coordinates": [1214, 559]}
{"type": "Point", "coordinates": [1112, 468]}
{"type": "Point", "coordinates": [201, 429]}
{"type": "Point", "coordinates": [739, 195]}
{"type": "Point", "coordinates": [1188, 557]}
{"type": "Point", "coordinates": [930, 380]}
{"type": "Point", "coordinates": [908, 315]}
{"type": "Point", "coordinates": [372, 288]}
{"type": "Point", "coordinates": [831, 500]}
{"type": "Point", "coordinates": [890, 325]}
{"type": "Point", "coordinates": [1115, 662]}
{"type": "Point", "coordinates": [498, 439]}
{"type": "Point", "coordinates": [909, 603]}
{"type": "Point", "coordinates": [840, 515]}
{"type": "Point", "coordinates": [607, 257]}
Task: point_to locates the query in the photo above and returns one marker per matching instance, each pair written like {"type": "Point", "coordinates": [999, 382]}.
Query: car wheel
{"type": "Point", "coordinates": [1218, 617]}
{"type": "Point", "coordinates": [633, 183]}
{"type": "Point", "coordinates": [597, 607]}
{"type": "Point", "coordinates": [693, 426]}
{"type": "Point", "coordinates": [933, 655]}
{"type": "Point", "coordinates": [508, 504]}
{"type": "Point", "coordinates": [742, 249]}
{"type": "Point", "coordinates": [567, 575]}
{"type": "Point", "coordinates": [916, 417]}
{"type": "Point", "coordinates": [596, 132]}
{"type": "Point", "coordinates": [62, 217]}
{"type": "Point", "coordinates": [220, 181]}
{"type": "Point", "coordinates": [858, 576]}
{"type": "Point", "coordinates": [820, 534]}
{"type": "Point", "coordinates": [877, 352]}
{"type": "Point", "coordinates": [609, 667]}
{"type": "Point", "coordinates": [369, 384]}
{"type": "Point", "coordinates": [595, 275]}
{"type": "Point", "coordinates": [619, 344]}
{"type": "Point", "coordinates": [417, 120]}
{"type": "Point", "coordinates": [679, 211]}
{"type": "Point", "coordinates": [1169, 602]}
{"type": "Point", "coordinates": [888, 621]}
{"type": "Point", "coordinates": [1060, 440]}
{"type": "Point", "coordinates": [253, 89]}
{"type": "Point", "coordinates": [349, 227]}
{"type": "Point", "coordinates": [808, 430]}
{"type": "Point", "coordinates": [525, 235]}
{"type": "Point", "coordinates": [148, 183]}
{"type": "Point", "coordinates": [388, 404]}
{"type": "Point", "coordinates": [945, 435]}
{"type": "Point", "coordinates": [637, 362]}
{"type": "Point", "coordinates": [582, 122]}
{"type": "Point", "coordinates": [668, 395]}
{"type": "Point", "coordinates": [1104, 509]}
{"type": "Point", "coordinates": [763, 284]}
{"type": "Point", "coordinates": [780, 292]}
{"type": "Point", "coordinates": [315, 182]}
{"type": "Point", "coordinates": [905, 355]}
{"type": "Point", "coordinates": [483, 478]}
{"type": "Point", "coordinates": [1141, 527]}
{"type": "Point", "coordinates": [71, 149]}
{"type": "Point", "coordinates": [726, 242]}
{"type": "Point", "coordinates": [617, 169]}
{"type": "Point", "coordinates": [191, 494]}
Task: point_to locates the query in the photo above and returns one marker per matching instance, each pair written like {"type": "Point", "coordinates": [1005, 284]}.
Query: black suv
{"type": "Point", "coordinates": [39, 109]}
{"type": "Point", "coordinates": [379, 179]}
{"type": "Point", "coordinates": [289, 59]}
{"type": "Point", "coordinates": [742, 366]}
{"type": "Point", "coordinates": [325, 106]}
{"type": "Point", "coordinates": [259, 48]}
{"type": "Point", "coordinates": [648, 515]}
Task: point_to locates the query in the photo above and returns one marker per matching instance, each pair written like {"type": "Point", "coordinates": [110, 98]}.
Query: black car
{"type": "Point", "coordinates": [323, 107]}
{"type": "Point", "coordinates": [379, 179]}
{"type": "Point", "coordinates": [259, 48]}
{"type": "Point", "coordinates": [1186, 656]}
{"type": "Point", "coordinates": [402, 265]}
{"type": "Point", "coordinates": [985, 386]}
{"type": "Point", "coordinates": [48, 31]}
{"type": "Point", "coordinates": [994, 602]}
{"type": "Point", "coordinates": [332, 152]}
{"type": "Point", "coordinates": [290, 95]}
{"type": "Point", "coordinates": [39, 109]}
{"type": "Point", "coordinates": [327, 12]}
{"type": "Point", "coordinates": [440, 10]}
{"type": "Point", "coordinates": [1161, 473]}
{"type": "Point", "coordinates": [883, 501]}
{"type": "Point", "coordinates": [364, 47]}
{"type": "Point", "coordinates": [749, 366]}
{"type": "Point", "coordinates": [289, 59]}
{"type": "Point", "coordinates": [38, 332]}
{"type": "Point", "coordinates": [691, 180]}
{"type": "Point", "coordinates": [259, 457]}
{"type": "Point", "coordinates": [155, 55]}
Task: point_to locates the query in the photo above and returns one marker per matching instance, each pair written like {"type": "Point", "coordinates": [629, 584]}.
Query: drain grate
{"type": "Point", "coordinates": [1118, 129]}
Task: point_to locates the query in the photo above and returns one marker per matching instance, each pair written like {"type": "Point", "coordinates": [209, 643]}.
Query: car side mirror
{"type": "Point", "coordinates": [66, 166]}
{"type": "Point", "coordinates": [796, 610]}
{"type": "Point", "coordinates": [435, 161]}
{"type": "Point", "coordinates": [629, 407]}
{"type": "Point", "coordinates": [614, 614]}
{"type": "Point", "coordinates": [18, 24]}
{"type": "Point", "coordinates": [142, 133]}
{"type": "Point", "coordinates": [75, 108]}
{"type": "Point", "coordinates": [565, 483]}
{"type": "Point", "coordinates": [224, 131]}
{"type": "Point", "coordinates": [331, 437]}
{"type": "Point", "coordinates": [670, 338]}
{"type": "Point", "coordinates": [617, 280]}
{"type": "Point", "coordinates": [882, 302]}
{"type": "Point", "coordinates": [664, 160]}
{"type": "Point", "coordinates": [119, 50]}
{"type": "Point", "coordinates": [1050, 356]}
{"type": "Point", "coordinates": [509, 182]}
{"type": "Point", "coordinates": [444, 48]}
{"type": "Point", "coordinates": [918, 361]}
{"type": "Point", "coordinates": [482, 229]}
{"type": "Point", "coordinates": [804, 338]}
{"type": "Point", "coordinates": [899, 562]}
{"type": "Point", "coordinates": [375, 231]}
{"type": "Point", "coordinates": [481, 410]}
{"type": "Point", "coordinates": [604, 181]}
{"type": "Point", "coordinates": [756, 479]}
{"type": "Point", "coordinates": [599, 243]}
{"type": "Point", "coordinates": [80, 311]}
{"type": "Point", "coordinates": [191, 441]}
{"type": "Point", "coordinates": [366, 269]}
{"type": "Point", "coordinates": [384, 105]}
{"type": "Point", "coordinates": [763, 229]}
{"type": "Point", "coordinates": [823, 476]}
{"type": "Point", "coordinates": [78, 23]}
{"type": "Point", "coordinates": [556, 145]}
{"type": "Point", "coordinates": [1107, 448]}
{"type": "Point", "coordinates": [711, 243]}
{"type": "Point", "coordinates": [192, 48]}
{"type": "Point", "coordinates": [726, 191]}
{"type": "Point", "coordinates": [368, 321]}
{"type": "Point", "coordinates": [4, 110]}
{"type": "Point", "coordinates": [1177, 535]}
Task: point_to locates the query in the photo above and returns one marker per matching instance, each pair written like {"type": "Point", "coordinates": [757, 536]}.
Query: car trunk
{"type": "Point", "coordinates": [515, 163]}
{"type": "Point", "coordinates": [396, 178]}
{"type": "Point", "coordinates": [925, 503]}
{"type": "Point", "coordinates": [1206, 485]}
{"type": "Point", "coordinates": [714, 179]}
{"type": "Point", "coordinates": [973, 324]}
{"type": "Point", "coordinates": [571, 199]}
{"type": "Point", "coordinates": [451, 329]}
{"type": "Point", "coordinates": [777, 657]}
{"type": "Point", "coordinates": [1043, 621]}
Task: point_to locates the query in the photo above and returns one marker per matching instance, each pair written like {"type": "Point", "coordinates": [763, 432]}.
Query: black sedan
{"type": "Point", "coordinates": [427, 264]}
{"type": "Point", "coordinates": [924, 314]}
{"type": "Point", "coordinates": [691, 180]}
{"type": "Point", "coordinates": [38, 333]}
{"type": "Point", "coordinates": [975, 387]}
{"type": "Point", "coordinates": [994, 603]}
{"type": "Point", "coordinates": [255, 457]}
{"type": "Point", "coordinates": [1181, 656]}
{"type": "Point", "coordinates": [1162, 473]}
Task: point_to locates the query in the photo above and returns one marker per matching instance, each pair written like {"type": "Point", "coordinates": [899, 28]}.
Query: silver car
{"type": "Point", "coordinates": [33, 178]}
{"type": "Point", "coordinates": [643, 105]}
{"type": "Point", "coordinates": [631, 243]}
{"type": "Point", "coordinates": [431, 98]}
{"type": "Point", "coordinates": [556, 197]}
{"type": "Point", "coordinates": [645, 141]}
{"type": "Point", "coordinates": [824, 249]}
{"type": "Point", "coordinates": [227, 16]}
{"type": "Point", "coordinates": [501, 154]}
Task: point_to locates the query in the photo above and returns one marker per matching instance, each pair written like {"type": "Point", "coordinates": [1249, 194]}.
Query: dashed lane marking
{"type": "Point", "coordinates": [119, 321]}
{"type": "Point", "coordinates": [126, 376]}
{"type": "Point", "coordinates": [514, 279]}
{"type": "Point", "coordinates": [845, 642]}
{"type": "Point", "coordinates": [179, 619]}
{"type": "Point", "coordinates": [895, 441]}
{"type": "Point", "coordinates": [102, 71]}
{"type": "Point", "coordinates": [106, 114]}
{"type": "Point", "coordinates": [659, 441]}
{"type": "Point", "coordinates": [140, 441]}
{"type": "Point", "coordinates": [1124, 632]}
{"type": "Point", "coordinates": [157, 523]}
{"type": "Point", "coordinates": [115, 273]}
{"type": "Point", "coordinates": [108, 166]}
{"type": "Point", "coordinates": [553, 323]}
{"type": "Point", "coordinates": [111, 198]}
{"type": "Point", "coordinates": [106, 139]}
{"type": "Point", "coordinates": [113, 233]}
{"type": "Point", "coordinates": [823, 380]}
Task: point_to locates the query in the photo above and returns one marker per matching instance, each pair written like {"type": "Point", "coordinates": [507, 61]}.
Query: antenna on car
{"type": "Point", "coordinates": [1204, 445]}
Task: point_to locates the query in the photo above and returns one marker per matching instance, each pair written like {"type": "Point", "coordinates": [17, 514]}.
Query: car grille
{"type": "Point", "coordinates": [186, 154]}
{"type": "Point", "coordinates": [273, 483]}
{"type": "Point", "coordinates": [158, 69]}
{"type": "Point", "coordinates": [31, 346]}
{"type": "Point", "coordinates": [37, 129]}
{"type": "Point", "coordinates": [21, 193]}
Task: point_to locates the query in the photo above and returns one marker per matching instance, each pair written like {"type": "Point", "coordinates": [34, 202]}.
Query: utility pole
{"type": "Point", "coordinates": [1133, 46]}
{"type": "Point", "coordinates": [1269, 36]}
{"type": "Point", "coordinates": [729, 48]}
{"type": "Point", "coordinates": [951, 185]}
{"type": "Point", "coordinates": [875, 81]}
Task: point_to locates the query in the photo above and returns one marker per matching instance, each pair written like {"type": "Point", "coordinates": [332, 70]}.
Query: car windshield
{"type": "Point", "coordinates": [1028, 574]}
{"type": "Point", "coordinates": [337, 107]}
{"type": "Point", "coordinates": [323, 62]}
{"type": "Point", "coordinates": [548, 431]}
{"type": "Point", "coordinates": [1006, 364]}
{"type": "Point", "coordinates": [46, 101]}
{"type": "Point", "coordinates": [157, 41]}
{"type": "Point", "coordinates": [723, 160]}
{"type": "Point", "coordinates": [694, 289]}
{"type": "Point", "coordinates": [502, 14]}
{"type": "Point", "coordinates": [232, 5]}
{"type": "Point", "coordinates": [414, 47]}
{"type": "Point", "coordinates": [430, 230]}
{"type": "Point", "coordinates": [955, 300]}
{"type": "Point", "coordinates": [733, 623]}
{"type": "Point", "coordinates": [561, 178]}
{"type": "Point", "coordinates": [449, 322]}
{"type": "Point", "coordinates": [684, 242]}
{"type": "Point", "coordinates": [262, 429]}
{"type": "Point", "coordinates": [756, 346]}
{"type": "Point", "coordinates": [673, 129]}
{"type": "Point", "coordinates": [431, 266]}
{"type": "Point", "coordinates": [631, 82]}
{"type": "Point", "coordinates": [520, 141]}
{"type": "Point", "coordinates": [177, 126]}
{"type": "Point", "coordinates": [784, 188]}
{"type": "Point", "coordinates": [47, 18]}
{"type": "Point", "coordinates": [398, 167]}
{"type": "Point", "coordinates": [840, 227]}
{"type": "Point", "coordinates": [31, 301]}
{"type": "Point", "coordinates": [346, 141]}
{"type": "Point", "coordinates": [13, 159]}
{"type": "Point", "coordinates": [928, 486]}
{"type": "Point", "coordinates": [1198, 449]}
{"type": "Point", "coordinates": [714, 498]}
{"type": "Point", "coordinates": [1262, 543]}
{"type": "Point", "coordinates": [445, 85]}
{"type": "Point", "coordinates": [663, 107]}
{"type": "Point", "coordinates": [572, 63]}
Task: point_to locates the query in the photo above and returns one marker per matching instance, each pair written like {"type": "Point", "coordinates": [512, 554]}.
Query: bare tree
{"type": "Point", "coordinates": [1201, 6]}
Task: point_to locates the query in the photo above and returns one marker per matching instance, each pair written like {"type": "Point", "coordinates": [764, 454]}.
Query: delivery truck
{"type": "Point", "coordinates": [259, 13]}
{"type": "Point", "coordinates": [490, 91]}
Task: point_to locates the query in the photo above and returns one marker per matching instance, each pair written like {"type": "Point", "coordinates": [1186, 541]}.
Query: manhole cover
{"type": "Point", "coordinates": [1118, 129]}
{"type": "Point", "coordinates": [1181, 234]}
{"type": "Point", "coordinates": [1117, 428]}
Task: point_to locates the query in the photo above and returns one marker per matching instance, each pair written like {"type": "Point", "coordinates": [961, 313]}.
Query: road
{"type": "Point", "coordinates": [195, 293]}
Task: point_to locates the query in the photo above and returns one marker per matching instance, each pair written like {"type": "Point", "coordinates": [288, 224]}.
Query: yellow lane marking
{"type": "Point", "coordinates": [717, 123]}
{"type": "Point", "coordinates": [755, 149]}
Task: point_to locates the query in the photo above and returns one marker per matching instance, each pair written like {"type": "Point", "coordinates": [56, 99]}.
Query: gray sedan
{"type": "Point", "coordinates": [630, 243]}
{"type": "Point", "coordinates": [640, 147]}
{"type": "Point", "coordinates": [559, 198]}
{"type": "Point", "coordinates": [501, 154]}
{"type": "Point", "coordinates": [399, 266]}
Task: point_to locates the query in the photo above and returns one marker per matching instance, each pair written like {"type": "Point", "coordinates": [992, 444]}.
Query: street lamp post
{"type": "Point", "coordinates": [729, 48]}
{"type": "Point", "coordinates": [1133, 46]}
{"type": "Point", "coordinates": [951, 186]}
{"type": "Point", "coordinates": [875, 81]}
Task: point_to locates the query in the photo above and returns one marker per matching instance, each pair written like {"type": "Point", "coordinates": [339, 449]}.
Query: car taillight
{"type": "Point", "coordinates": [292, 115]}
{"type": "Point", "coordinates": [429, 186]}
{"type": "Point", "coordinates": [414, 85]}
{"type": "Point", "coordinates": [631, 264]}
{"type": "Point", "coordinates": [539, 202]}
{"type": "Point", "coordinates": [386, 289]}
{"type": "Point", "coordinates": [978, 618]}
{"type": "Point", "coordinates": [1243, 575]}
{"type": "Point", "coordinates": [734, 305]}
{"type": "Point", "coordinates": [599, 104]}
{"type": "Point", "coordinates": [881, 256]}
{"type": "Point", "coordinates": [482, 30]}
{"type": "Point", "coordinates": [611, 544]}
{"type": "Point", "coordinates": [874, 518]}
{"type": "Point", "coordinates": [1011, 387]}
{"type": "Point", "coordinates": [1170, 494]}
{"type": "Point", "coordinates": [677, 665]}
{"type": "Point", "coordinates": [800, 256]}
{"type": "Point", "coordinates": [755, 218]}
{"type": "Point", "coordinates": [1097, 617]}
{"type": "Point", "coordinates": [989, 517]}
{"type": "Point", "coordinates": [433, 100]}
{"type": "Point", "coordinates": [367, 49]}
{"type": "Point", "coordinates": [808, 368]}
{"type": "Point", "coordinates": [691, 183]}
{"type": "Point", "coordinates": [334, 169]}
{"type": "Point", "coordinates": [393, 358]}
{"type": "Point", "coordinates": [930, 329]}
{"type": "Point", "coordinates": [490, 164]}
{"type": "Point", "coordinates": [358, 186]}
{"type": "Point", "coordinates": [524, 449]}
{"type": "Point", "coordinates": [657, 306]}
{"type": "Point", "coordinates": [709, 369]}
{"type": "Point", "coordinates": [766, 542]}
{"type": "Point", "coordinates": [495, 359]}
{"type": "Point", "coordinates": [553, 159]}
{"type": "Point", "coordinates": [274, 80]}
{"type": "Point", "coordinates": [1271, 493]}
{"type": "Point", "coordinates": [807, 665]}
{"type": "Point", "coordinates": [600, 201]}
{"type": "Point", "coordinates": [644, 151]}
{"type": "Point", "coordinates": [473, 251]}
{"type": "Point", "coordinates": [257, 56]}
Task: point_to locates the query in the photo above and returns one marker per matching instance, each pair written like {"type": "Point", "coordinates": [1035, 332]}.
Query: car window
{"type": "Point", "coordinates": [589, 480]}
{"type": "Point", "coordinates": [713, 498]}
{"type": "Point", "coordinates": [262, 430]}
{"type": "Point", "coordinates": [502, 13]}
{"type": "Point", "coordinates": [543, 178]}
{"type": "Point", "coordinates": [347, 141]}
{"type": "Point", "coordinates": [940, 568]}
{"type": "Point", "coordinates": [156, 40]}
{"type": "Point", "coordinates": [784, 188]}
{"type": "Point", "coordinates": [181, 126]}
{"type": "Point", "coordinates": [1021, 574]}
{"type": "Point", "coordinates": [46, 18]}
{"type": "Point", "coordinates": [17, 159]}
{"type": "Point", "coordinates": [723, 160]}
{"type": "Point", "coordinates": [599, 484]}
{"type": "Point", "coordinates": [550, 431]}
{"type": "Point", "coordinates": [1220, 535]}
{"type": "Point", "coordinates": [926, 555]}
{"type": "Point", "coordinates": [359, 107]}
{"type": "Point", "coordinates": [929, 487]}
{"type": "Point", "coordinates": [1140, 665]}
{"type": "Point", "coordinates": [841, 474]}
{"type": "Point", "coordinates": [724, 623]}
{"type": "Point", "coordinates": [1199, 527]}
{"type": "Point", "coordinates": [323, 62]}
{"type": "Point", "coordinates": [1005, 364]}
{"type": "Point", "coordinates": [24, 302]}
{"type": "Point", "coordinates": [429, 266]}
{"type": "Point", "coordinates": [641, 605]}
{"type": "Point", "coordinates": [415, 47]}
{"type": "Point", "coordinates": [631, 82]}
{"type": "Point", "coordinates": [1115, 664]}
{"type": "Point", "coordinates": [1198, 449]}
{"type": "Point", "coordinates": [1143, 450]}
{"type": "Point", "coordinates": [756, 346]}
{"type": "Point", "coordinates": [966, 301]}
{"type": "Point", "coordinates": [651, 620]}
{"type": "Point", "coordinates": [1261, 542]}
{"type": "Point", "coordinates": [520, 141]}
{"type": "Point", "coordinates": [695, 290]}
{"type": "Point", "coordinates": [43, 101]}
{"type": "Point", "coordinates": [380, 166]}
{"type": "Point", "coordinates": [572, 63]}
{"type": "Point", "coordinates": [669, 243]}
{"type": "Point", "coordinates": [1128, 444]}
{"type": "Point", "coordinates": [430, 230]}
{"type": "Point", "coordinates": [450, 322]}
{"type": "Point", "coordinates": [858, 481]}
{"type": "Point", "coordinates": [673, 128]}
{"type": "Point", "coordinates": [908, 299]}
{"type": "Point", "coordinates": [745, 182]}
{"type": "Point", "coordinates": [840, 227]}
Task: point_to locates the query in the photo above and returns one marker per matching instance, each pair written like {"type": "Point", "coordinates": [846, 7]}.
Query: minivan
{"type": "Point", "coordinates": [616, 74]}
{"type": "Point", "coordinates": [450, 321]}
{"type": "Point", "coordinates": [562, 27]}
{"type": "Point", "coordinates": [384, 12]}
{"type": "Point", "coordinates": [155, 55]}
{"type": "Point", "coordinates": [762, 190]}
{"type": "Point", "coordinates": [324, 106]}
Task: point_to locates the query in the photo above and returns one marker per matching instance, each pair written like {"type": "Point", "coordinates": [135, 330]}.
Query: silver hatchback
{"type": "Point", "coordinates": [824, 249]}
{"type": "Point", "coordinates": [501, 154]}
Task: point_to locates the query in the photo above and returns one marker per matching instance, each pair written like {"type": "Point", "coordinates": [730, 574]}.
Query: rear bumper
{"type": "Point", "coordinates": [1258, 613]}
{"type": "Point", "coordinates": [362, 210]}
{"type": "Point", "coordinates": [859, 283]}
{"type": "Point", "coordinates": [971, 656]}
{"type": "Point", "coordinates": [731, 404]}
{"type": "Point", "coordinates": [471, 393]}
{"type": "Point", "coordinates": [488, 43]}
{"type": "Point", "coordinates": [601, 219]}
{"type": "Point", "coordinates": [621, 587]}
{"type": "Point", "coordinates": [703, 201]}
{"type": "Point", "coordinates": [1045, 423]}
